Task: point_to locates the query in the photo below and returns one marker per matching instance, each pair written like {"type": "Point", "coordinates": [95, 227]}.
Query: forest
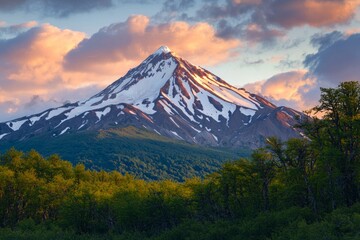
{"type": "Point", "coordinates": [305, 188]}
{"type": "Point", "coordinates": [144, 154]}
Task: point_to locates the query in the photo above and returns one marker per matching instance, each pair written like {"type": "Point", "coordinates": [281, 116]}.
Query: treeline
{"type": "Point", "coordinates": [300, 189]}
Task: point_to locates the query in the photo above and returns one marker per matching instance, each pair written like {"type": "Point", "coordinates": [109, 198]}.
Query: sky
{"type": "Point", "coordinates": [54, 52]}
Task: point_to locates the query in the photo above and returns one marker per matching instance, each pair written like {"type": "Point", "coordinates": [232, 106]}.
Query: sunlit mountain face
{"type": "Point", "coordinates": [169, 96]}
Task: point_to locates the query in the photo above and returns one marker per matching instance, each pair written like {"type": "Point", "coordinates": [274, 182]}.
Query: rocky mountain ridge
{"type": "Point", "coordinates": [167, 95]}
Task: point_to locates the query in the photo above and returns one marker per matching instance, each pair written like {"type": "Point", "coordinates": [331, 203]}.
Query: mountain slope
{"type": "Point", "coordinates": [171, 97]}
{"type": "Point", "coordinates": [140, 152]}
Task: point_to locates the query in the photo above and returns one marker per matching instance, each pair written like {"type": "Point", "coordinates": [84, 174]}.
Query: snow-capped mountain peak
{"type": "Point", "coordinates": [170, 96]}
{"type": "Point", "coordinates": [162, 49]}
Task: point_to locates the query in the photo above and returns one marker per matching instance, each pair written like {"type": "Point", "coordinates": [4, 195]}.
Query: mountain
{"type": "Point", "coordinates": [168, 96]}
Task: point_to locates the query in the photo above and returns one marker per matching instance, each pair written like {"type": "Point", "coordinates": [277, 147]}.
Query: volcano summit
{"type": "Point", "coordinates": [169, 96]}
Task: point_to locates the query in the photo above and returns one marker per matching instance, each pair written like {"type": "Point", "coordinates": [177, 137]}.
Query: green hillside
{"type": "Point", "coordinates": [130, 150]}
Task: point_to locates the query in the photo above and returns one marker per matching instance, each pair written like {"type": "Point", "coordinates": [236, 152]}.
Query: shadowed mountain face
{"type": "Point", "coordinates": [169, 96]}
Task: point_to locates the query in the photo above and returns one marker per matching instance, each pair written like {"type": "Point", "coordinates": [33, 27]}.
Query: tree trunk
{"type": "Point", "coordinates": [265, 193]}
{"type": "Point", "coordinates": [311, 194]}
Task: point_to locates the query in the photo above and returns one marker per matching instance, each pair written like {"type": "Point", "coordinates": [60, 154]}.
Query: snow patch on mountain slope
{"type": "Point", "coordinates": [177, 135]}
{"type": "Point", "coordinates": [179, 100]}
{"type": "Point", "coordinates": [57, 111]}
{"type": "Point", "coordinates": [82, 125]}
{"type": "Point", "coordinates": [3, 135]}
{"type": "Point", "coordinates": [36, 118]}
{"type": "Point", "coordinates": [225, 92]}
{"type": "Point", "coordinates": [215, 137]}
{"type": "Point", "coordinates": [16, 125]}
{"type": "Point", "coordinates": [100, 114]}
{"type": "Point", "coordinates": [162, 49]}
{"type": "Point", "coordinates": [247, 111]}
{"type": "Point", "coordinates": [166, 107]}
{"type": "Point", "coordinates": [147, 88]}
{"type": "Point", "coordinates": [174, 122]}
{"type": "Point", "coordinates": [210, 110]}
{"type": "Point", "coordinates": [186, 101]}
{"type": "Point", "coordinates": [139, 92]}
{"type": "Point", "coordinates": [64, 131]}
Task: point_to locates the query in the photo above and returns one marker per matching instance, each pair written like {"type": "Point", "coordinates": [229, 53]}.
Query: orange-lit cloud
{"type": "Point", "coordinates": [118, 46]}
{"type": "Point", "coordinates": [36, 56]}
{"type": "Point", "coordinates": [293, 89]}
{"type": "Point", "coordinates": [31, 65]}
{"type": "Point", "coordinates": [316, 13]}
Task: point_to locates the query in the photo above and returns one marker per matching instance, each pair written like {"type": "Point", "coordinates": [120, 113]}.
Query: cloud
{"type": "Point", "coordinates": [31, 74]}
{"type": "Point", "coordinates": [256, 33]}
{"type": "Point", "coordinates": [65, 8]}
{"type": "Point", "coordinates": [7, 109]}
{"type": "Point", "coordinates": [293, 89]}
{"type": "Point", "coordinates": [36, 99]}
{"type": "Point", "coordinates": [16, 28]}
{"type": "Point", "coordinates": [288, 43]}
{"type": "Point", "coordinates": [253, 62]}
{"type": "Point", "coordinates": [316, 13]}
{"type": "Point", "coordinates": [173, 10]}
{"type": "Point", "coordinates": [227, 9]}
{"type": "Point", "coordinates": [60, 8]}
{"type": "Point", "coordinates": [264, 21]}
{"type": "Point", "coordinates": [34, 57]}
{"type": "Point", "coordinates": [336, 60]}
{"type": "Point", "coordinates": [28, 104]}
{"type": "Point", "coordinates": [55, 8]}
{"type": "Point", "coordinates": [176, 5]}
{"type": "Point", "coordinates": [323, 41]}
{"type": "Point", "coordinates": [121, 45]}
{"type": "Point", "coordinates": [289, 63]}
{"type": "Point", "coordinates": [236, 18]}
{"type": "Point", "coordinates": [228, 30]}
{"type": "Point", "coordinates": [9, 5]}
{"type": "Point", "coordinates": [351, 31]}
